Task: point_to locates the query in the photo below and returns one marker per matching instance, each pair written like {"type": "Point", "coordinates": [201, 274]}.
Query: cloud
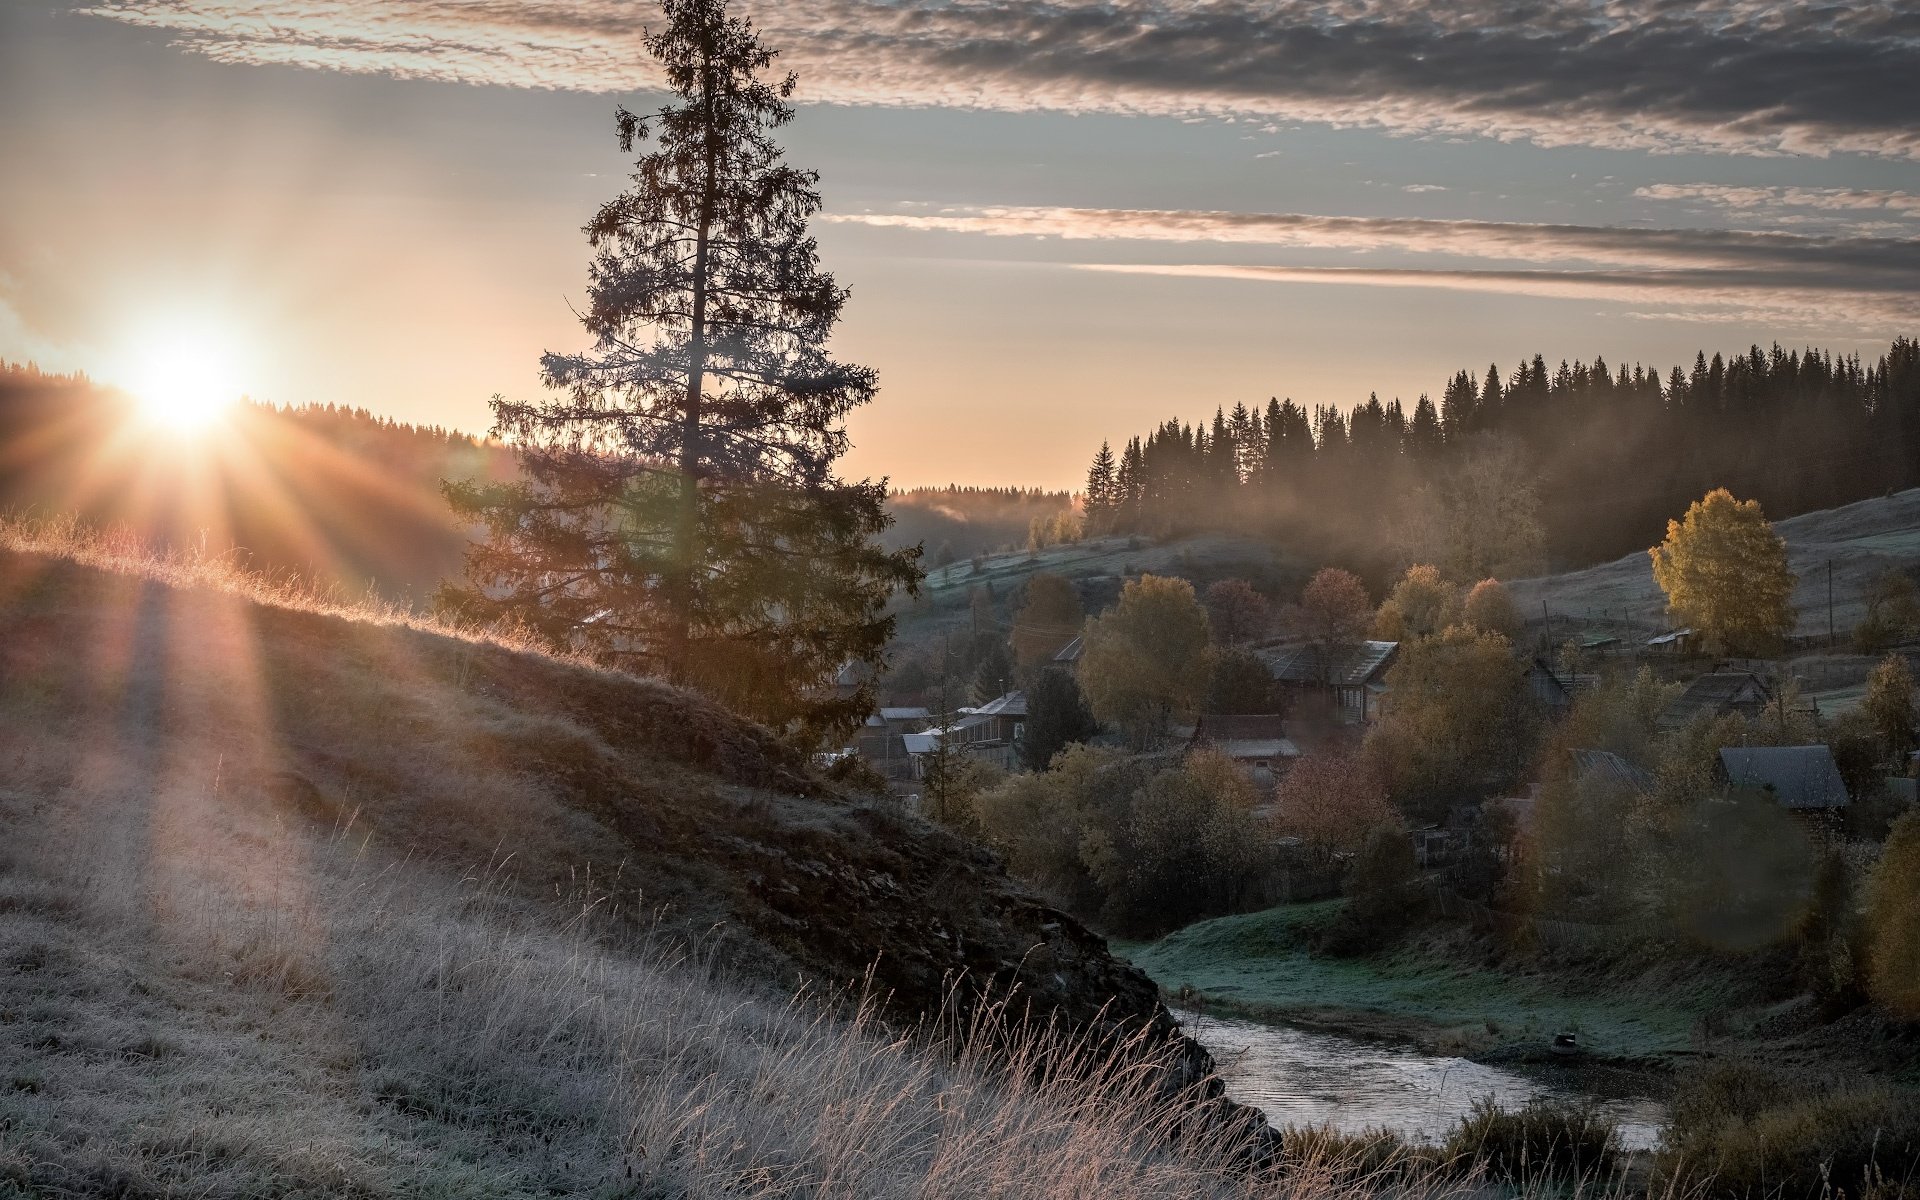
{"type": "Point", "coordinates": [1714, 296]}
{"type": "Point", "coordinates": [1418, 188]}
{"type": "Point", "coordinates": [1773, 199]}
{"type": "Point", "coordinates": [1893, 261]}
{"type": "Point", "coordinates": [1859, 280]}
{"type": "Point", "coordinates": [1747, 76]}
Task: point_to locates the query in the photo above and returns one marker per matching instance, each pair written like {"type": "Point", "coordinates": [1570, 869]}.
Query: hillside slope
{"type": "Point", "coordinates": [202, 797]}
{"type": "Point", "coordinates": [1861, 540]}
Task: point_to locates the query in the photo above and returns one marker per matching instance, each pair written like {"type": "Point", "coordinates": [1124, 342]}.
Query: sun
{"type": "Point", "coordinates": [185, 380]}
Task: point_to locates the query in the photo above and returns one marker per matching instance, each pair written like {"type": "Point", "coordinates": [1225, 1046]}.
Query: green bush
{"type": "Point", "coordinates": [1383, 895]}
{"type": "Point", "coordinates": [1546, 1140]}
{"type": "Point", "coordinates": [1739, 1130]}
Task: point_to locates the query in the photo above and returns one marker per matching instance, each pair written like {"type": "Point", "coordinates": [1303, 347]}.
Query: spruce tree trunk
{"type": "Point", "coordinates": [680, 637]}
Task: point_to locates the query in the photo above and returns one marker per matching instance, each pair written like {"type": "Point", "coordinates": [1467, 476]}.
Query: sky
{"type": "Point", "coordinates": [1060, 220]}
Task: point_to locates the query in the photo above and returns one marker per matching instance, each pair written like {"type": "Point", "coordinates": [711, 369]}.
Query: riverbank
{"type": "Point", "coordinates": [1437, 992]}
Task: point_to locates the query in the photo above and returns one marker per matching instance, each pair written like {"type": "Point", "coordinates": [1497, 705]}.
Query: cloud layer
{"type": "Point", "coordinates": [1745, 76]}
{"type": "Point", "coordinates": [1870, 282]}
{"type": "Point", "coordinates": [1774, 200]}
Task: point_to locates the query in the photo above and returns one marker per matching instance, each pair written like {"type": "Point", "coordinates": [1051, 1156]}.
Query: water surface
{"type": "Point", "coordinates": [1304, 1077]}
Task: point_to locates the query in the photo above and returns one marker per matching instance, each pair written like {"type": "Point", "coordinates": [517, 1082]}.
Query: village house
{"type": "Point", "coordinates": [881, 739]}
{"type": "Point", "coordinates": [1553, 691]}
{"type": "Point", "coordinates": [1803, 779]}
{"type": "Point", "coordinates": [990, 731]}
{"type": "Point", "coordinates": [1723, 692]}
{"type": "Point", "coordinates": [1356, 676]}
{"type": "Point", "coordinates": [1258, 745]}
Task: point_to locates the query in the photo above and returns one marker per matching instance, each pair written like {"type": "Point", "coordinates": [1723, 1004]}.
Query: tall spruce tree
{"type": "Point", "coordinates": [680, 512]}
{"type": "Point", "coordinates": [1101, 488]}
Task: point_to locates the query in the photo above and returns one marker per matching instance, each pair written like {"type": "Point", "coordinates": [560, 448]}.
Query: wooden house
{"type": "Point", "coordinates": [1355, 675]}
{"type": "Point", "coordinates": [881, 739]}
{"type": "Point", "coordinates": [1722, 692]}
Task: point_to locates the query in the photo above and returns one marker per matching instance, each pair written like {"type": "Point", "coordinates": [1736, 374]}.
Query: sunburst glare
{"type": "Point", "coordinates": [185, 380]}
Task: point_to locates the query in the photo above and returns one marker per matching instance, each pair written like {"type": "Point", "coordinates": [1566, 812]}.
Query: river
{"type": "Point", "coordinates": [1304, 1077]}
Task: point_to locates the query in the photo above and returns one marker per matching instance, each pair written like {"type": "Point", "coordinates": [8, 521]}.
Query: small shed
{"type": "Point", "coordinates": [1673, 641]}
{"type": "Point", "coordinates": [1801, 778]}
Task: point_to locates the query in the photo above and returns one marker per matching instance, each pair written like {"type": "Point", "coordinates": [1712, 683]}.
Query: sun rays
{"type": "Point", "coordinates": [186, 378]}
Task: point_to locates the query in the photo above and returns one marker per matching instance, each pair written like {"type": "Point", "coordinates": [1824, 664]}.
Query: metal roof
{"type": "Point", "coordinates": [1799, 777]}
{"type": "Point", "coordinates": [1255, 747]}
{"type": "Point", "coordinates": [1302, 664]}
{"type": "Point", "coordinates": [1013, 704]}
{"type": "Point", "coordinates": [1612, 767]}
{"type": "Point", "coordinates": [1216, 727]}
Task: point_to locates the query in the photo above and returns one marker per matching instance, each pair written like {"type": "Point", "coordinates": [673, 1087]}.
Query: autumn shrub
{"type": "Point", "coordinates": [1333, 802]}
{"type": "Point", "coordinates": [1138, 844]}
{"type": "Point", "coordinates": [1186, 848]}
{"type": "Point", "coordinates": [1459, 727]}
{"type": "Point", "coordinates": [1740, 1130]}
{"type": "Point", "coordinates": [1489, 608]}
{"type": "Point", "coordinates": [1420, 605]}
{"type": "Point", "coordinates": [1545, 1140]}
{"type": "Point", "coordinates": [1893, 921]}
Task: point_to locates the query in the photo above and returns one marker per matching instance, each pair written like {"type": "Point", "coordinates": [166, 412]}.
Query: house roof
{"type": "Point", "coordinates": [1262, 748]}
{"type": "Point", "coordinates": [1214, 728]}
{"type": "Point", "coordinates": [1612, 767]}
{"type": "Point", "coordinates": [1722, 691]}
{"type": "Point", "coordinates": [1070, 653]}
{"type": "Point", "coordinates": [1800, 777]}
{"type": "Point", "coordinates": [1260, 735]}
{"type": "Point", "coordinates": [905, 714]}
{"type": "Point", "coordinates": [926, 740]}
{"type": "Point", "coordinates": [1670, 637]}
{"type": "Point", "coordinates": [1013, 704]}
{"type": "Point", "coordinates": [1302, 664]}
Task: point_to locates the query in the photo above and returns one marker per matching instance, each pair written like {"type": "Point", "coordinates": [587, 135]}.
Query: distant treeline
{"type": "Point", "coordinates": [963, 521]}
{"type": "Point", "coordinates": [1607, 454]}
{"type": "Point", "coordinates": [331, 492]}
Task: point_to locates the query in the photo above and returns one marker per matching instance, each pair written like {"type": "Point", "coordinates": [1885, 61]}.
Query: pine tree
{"type": "Point", "coordinates": [681, 514]}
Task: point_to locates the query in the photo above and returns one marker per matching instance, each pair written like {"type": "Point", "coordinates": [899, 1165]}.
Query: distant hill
{"type": "Point", "coordinates": [336, 494]}
{"type": "Point", "coordinates": [964, 521]}
{"type": "Point", "coordinates": [1860, 540]}
{"type": "Point", "coordinates": [439, 916]}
